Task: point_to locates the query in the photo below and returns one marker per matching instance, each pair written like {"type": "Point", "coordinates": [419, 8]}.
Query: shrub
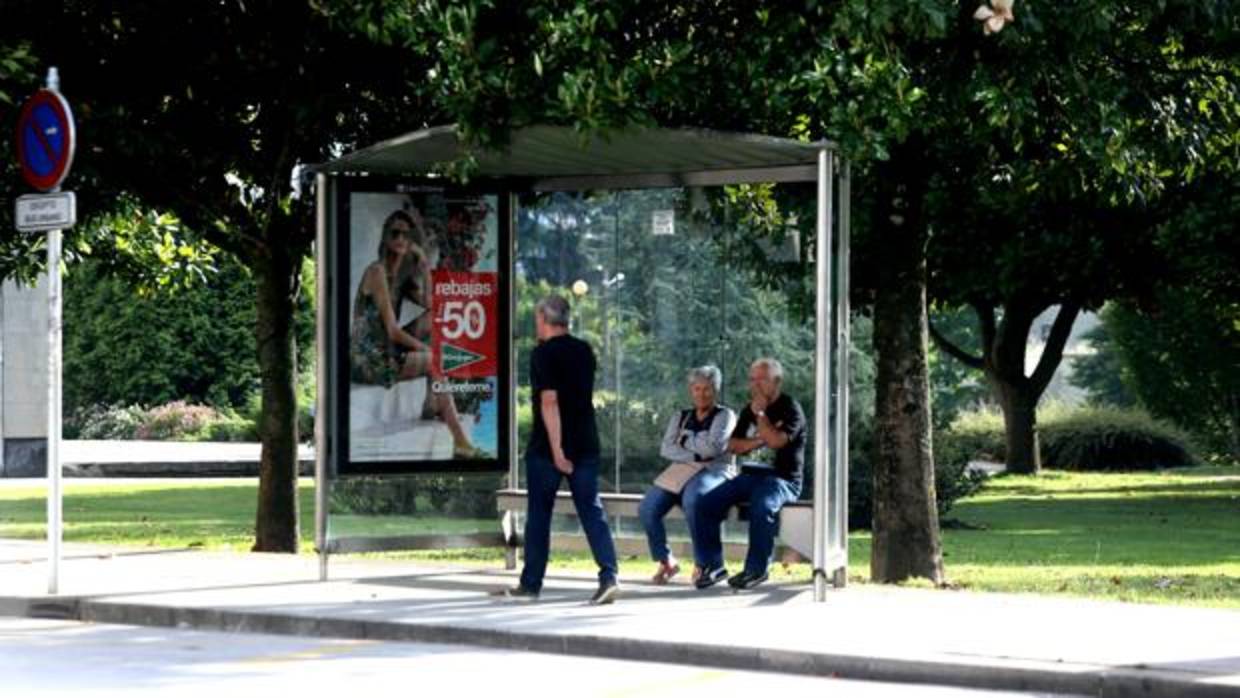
{"type": "Point", "coordinates": [375, 496]}
{"type": "Point", "coordinates": [973, 435]}
{"type": "Point", "coordinates": [105, 422]}
{"type": "Point", "coordinates": [176, 421]}
{"type": "Point", "coordinates": [471, 496]}
{"type": "Point", "coordinates": [230, 426]}
{"type": "Point", "coordinates": [453, 494]}
{"type": "Point", "coordinates": [1111, 439]}
{"type": "Point", "coordinates": [1083, 438]}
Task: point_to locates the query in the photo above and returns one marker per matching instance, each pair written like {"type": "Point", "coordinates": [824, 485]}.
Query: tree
{"type": "Point", "coordinates": [202, 111]}
{"type": "Point", "coordinates": [1070, 155]}
{"type": "Point", "coordinates": [1178, 350]}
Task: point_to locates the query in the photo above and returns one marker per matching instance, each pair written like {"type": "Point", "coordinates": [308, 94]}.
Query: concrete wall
{"type": "Point", "coordinates": [23, 348]}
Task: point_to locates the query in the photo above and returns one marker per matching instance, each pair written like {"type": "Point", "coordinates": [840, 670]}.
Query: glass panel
{"type": "Point", "coordinates": [661, 281]}
{"type": "Point", "coordinates": [416, 504]}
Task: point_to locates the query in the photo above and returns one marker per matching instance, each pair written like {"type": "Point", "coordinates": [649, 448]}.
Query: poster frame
{"type": "Point", "coordinates": [342, 191]}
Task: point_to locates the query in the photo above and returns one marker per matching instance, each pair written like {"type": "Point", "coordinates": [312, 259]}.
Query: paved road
{"type": "Point", "coordinates": [42, 658]}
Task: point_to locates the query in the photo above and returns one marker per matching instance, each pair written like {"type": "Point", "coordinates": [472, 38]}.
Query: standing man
{"type": "Point", "coordinates": [770, 435]}
{"type": "Point", "coordinates": [564, 444]}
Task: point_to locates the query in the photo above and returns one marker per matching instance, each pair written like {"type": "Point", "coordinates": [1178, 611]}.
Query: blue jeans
{"type": "Point", "coordinates": [542, 481]}
{"type": "Point", "coordinates": [766, 495]}
{"type": "Point", "coordinates": [659, 501]}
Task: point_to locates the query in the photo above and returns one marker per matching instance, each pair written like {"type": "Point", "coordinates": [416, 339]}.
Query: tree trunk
{"type": "Point", "coordinates": [1019, 394]}
{"type": "Point", "coordinates": [276, 275]}
{"type": "Point", "coordinates": [1020, 424]}
{"type": "Point", "coordinates": [906, 523]}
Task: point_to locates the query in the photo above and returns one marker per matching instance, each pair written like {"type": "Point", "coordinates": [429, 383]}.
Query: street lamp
{"type": "Point", "coordinates": [580, 288]}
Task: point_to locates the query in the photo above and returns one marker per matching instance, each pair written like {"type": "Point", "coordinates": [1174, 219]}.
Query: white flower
{"type": "Point", "coordinates": [994, 17]}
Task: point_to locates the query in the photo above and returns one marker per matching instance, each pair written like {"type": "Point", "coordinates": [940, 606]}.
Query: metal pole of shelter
{"type": "Point", "coordinates": [322, 299]}
{"type": "Point", "coordinates": [822, 374]}
{"type": "Point", "coordinates": [509, 522]}
{"type": "Point", "coordinates": [514, 471]}
{"type": "Point", "coordinates": [838, 526]}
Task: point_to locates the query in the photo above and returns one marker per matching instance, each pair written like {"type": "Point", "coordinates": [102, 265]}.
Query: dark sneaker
{"type": "Point", "coordinates": [518, 592]}
{"type": "Point", "coordinates": [747, 580]}
{"type": "Point", "coordinates": [606, 593]}
{"type": "Point", "coordinates": [711, 577]}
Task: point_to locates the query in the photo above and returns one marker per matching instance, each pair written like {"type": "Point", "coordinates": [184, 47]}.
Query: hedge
{"type": "Point", "coordinates": [1082, 438]}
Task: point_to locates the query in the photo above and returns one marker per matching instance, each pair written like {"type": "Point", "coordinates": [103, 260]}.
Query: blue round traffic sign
{"type": "Point", "coordinates": [45, 140]}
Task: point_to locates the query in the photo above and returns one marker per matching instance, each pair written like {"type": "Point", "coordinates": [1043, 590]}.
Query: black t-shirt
{"type": "Point", "coordinates": [787, 416]}
{"type": "Point", "coordinates": [566, 365]}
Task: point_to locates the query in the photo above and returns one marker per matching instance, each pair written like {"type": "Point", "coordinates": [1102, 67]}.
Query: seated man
{"type": "Point", "coordinates": [770, 437]}
{"type": "Point", "coordinates": [696, 444]}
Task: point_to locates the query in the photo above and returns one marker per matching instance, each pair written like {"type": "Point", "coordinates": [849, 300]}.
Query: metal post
{"type": "Point", "coordinates": [612, 288]}
{"type": "Point", "coordinates": [839, 475]}
{"type": "Point", "coordinates": [822, 374]}
{"type": "Point", "coordinates": [509, 521]}
{"type": "Point", "coordinates": [54, 508]}
{"type": "Point", "coordinates": [615, 348]}
{"type": "Point", "coordinates": [514, 473]}
{"type": "Point", "coordinates": [2, 394]}
{"type": "Point", "coordinates": [322, 357]}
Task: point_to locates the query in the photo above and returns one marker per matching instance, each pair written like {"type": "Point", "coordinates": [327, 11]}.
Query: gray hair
{"type": "Point", "coordinates": [707, 374]}
{"type": "Point", "coordinates": [554, 310]}
{"type": "Point", "coordinates": [772, 366]}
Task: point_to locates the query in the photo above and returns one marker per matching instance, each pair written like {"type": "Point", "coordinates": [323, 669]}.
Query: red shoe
{"type": "Point", "coordinates": [666, 571]}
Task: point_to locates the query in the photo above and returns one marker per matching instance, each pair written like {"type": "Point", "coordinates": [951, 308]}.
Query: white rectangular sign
{"type": "Point", "coordinates": [663, 222]}
{"type": "Point", "coordinates": [38, 212]}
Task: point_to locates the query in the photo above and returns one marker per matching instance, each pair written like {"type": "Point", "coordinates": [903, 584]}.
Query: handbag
{"type": "Point", "coordinates": [674, 476]}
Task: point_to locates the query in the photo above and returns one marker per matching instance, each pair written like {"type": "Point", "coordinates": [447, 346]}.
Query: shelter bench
{"type": "Point", "coordinates": [795, 529]}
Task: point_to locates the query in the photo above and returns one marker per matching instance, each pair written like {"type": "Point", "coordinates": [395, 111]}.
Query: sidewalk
{"type": "Point", "coordinates": [953, 638]}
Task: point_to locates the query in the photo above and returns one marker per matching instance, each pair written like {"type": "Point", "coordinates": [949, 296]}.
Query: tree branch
{"type": "Point", "coordinates": [946, 345]}
{"type": "Point", "coordinates": [1053, 353]}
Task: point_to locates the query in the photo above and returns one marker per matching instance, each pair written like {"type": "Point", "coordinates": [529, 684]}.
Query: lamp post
{"type": "Point", "coordinates": [610, 285]}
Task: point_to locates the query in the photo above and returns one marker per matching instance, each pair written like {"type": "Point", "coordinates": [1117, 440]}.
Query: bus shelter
{"type": "Point", "coordinates": [458, 301]}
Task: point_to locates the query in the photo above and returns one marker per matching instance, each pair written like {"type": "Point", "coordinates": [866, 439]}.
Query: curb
{"type": "Point", "coordinates": [1102, 682]}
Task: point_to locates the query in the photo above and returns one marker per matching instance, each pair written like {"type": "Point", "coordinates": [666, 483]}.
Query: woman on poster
{"type": "Point", "coordinates": [381, 351]}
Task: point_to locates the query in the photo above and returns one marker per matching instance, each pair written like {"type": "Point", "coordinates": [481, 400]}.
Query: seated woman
{"type": "Point", "coordinates": [381, 351]}
{"type": "Point", "coordinates": [696, 443]}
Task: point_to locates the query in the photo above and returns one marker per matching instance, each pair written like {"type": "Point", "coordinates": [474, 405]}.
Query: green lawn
{"type": "Point", "coordinates": [1161, 537]}
{"type": "Point", "coordinates": [1172, 536]}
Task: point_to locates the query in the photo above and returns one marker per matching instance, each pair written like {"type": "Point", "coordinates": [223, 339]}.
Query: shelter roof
{"type": "Point", "coordinates": [558, 157]}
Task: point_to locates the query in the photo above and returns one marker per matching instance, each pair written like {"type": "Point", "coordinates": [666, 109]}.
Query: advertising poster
{"type": "Point", "coordinates": [425, 388]}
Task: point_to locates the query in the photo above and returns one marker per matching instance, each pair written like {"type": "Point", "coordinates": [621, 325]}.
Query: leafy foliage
{"type": "Point", "coordinates": [1183, 362]}
{"type": "Point", "coordinates": [1101, 373]}
{"type": "Point", "coordinates": [175, 421]}
{"type": "Point", "coordinates": [127, 343]}
{"type": "Point", "coordinates": [109, 423]}
{"type": "Point", "coordinates": [1093, 438]}
{"type": "Point", "coordinates": [1113, 439]}
{"type": "Point", "coordinates": [954, 387]}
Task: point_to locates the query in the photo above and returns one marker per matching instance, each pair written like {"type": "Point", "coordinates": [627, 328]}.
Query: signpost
{"type": "Point", "coordinates": [45, 147]}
